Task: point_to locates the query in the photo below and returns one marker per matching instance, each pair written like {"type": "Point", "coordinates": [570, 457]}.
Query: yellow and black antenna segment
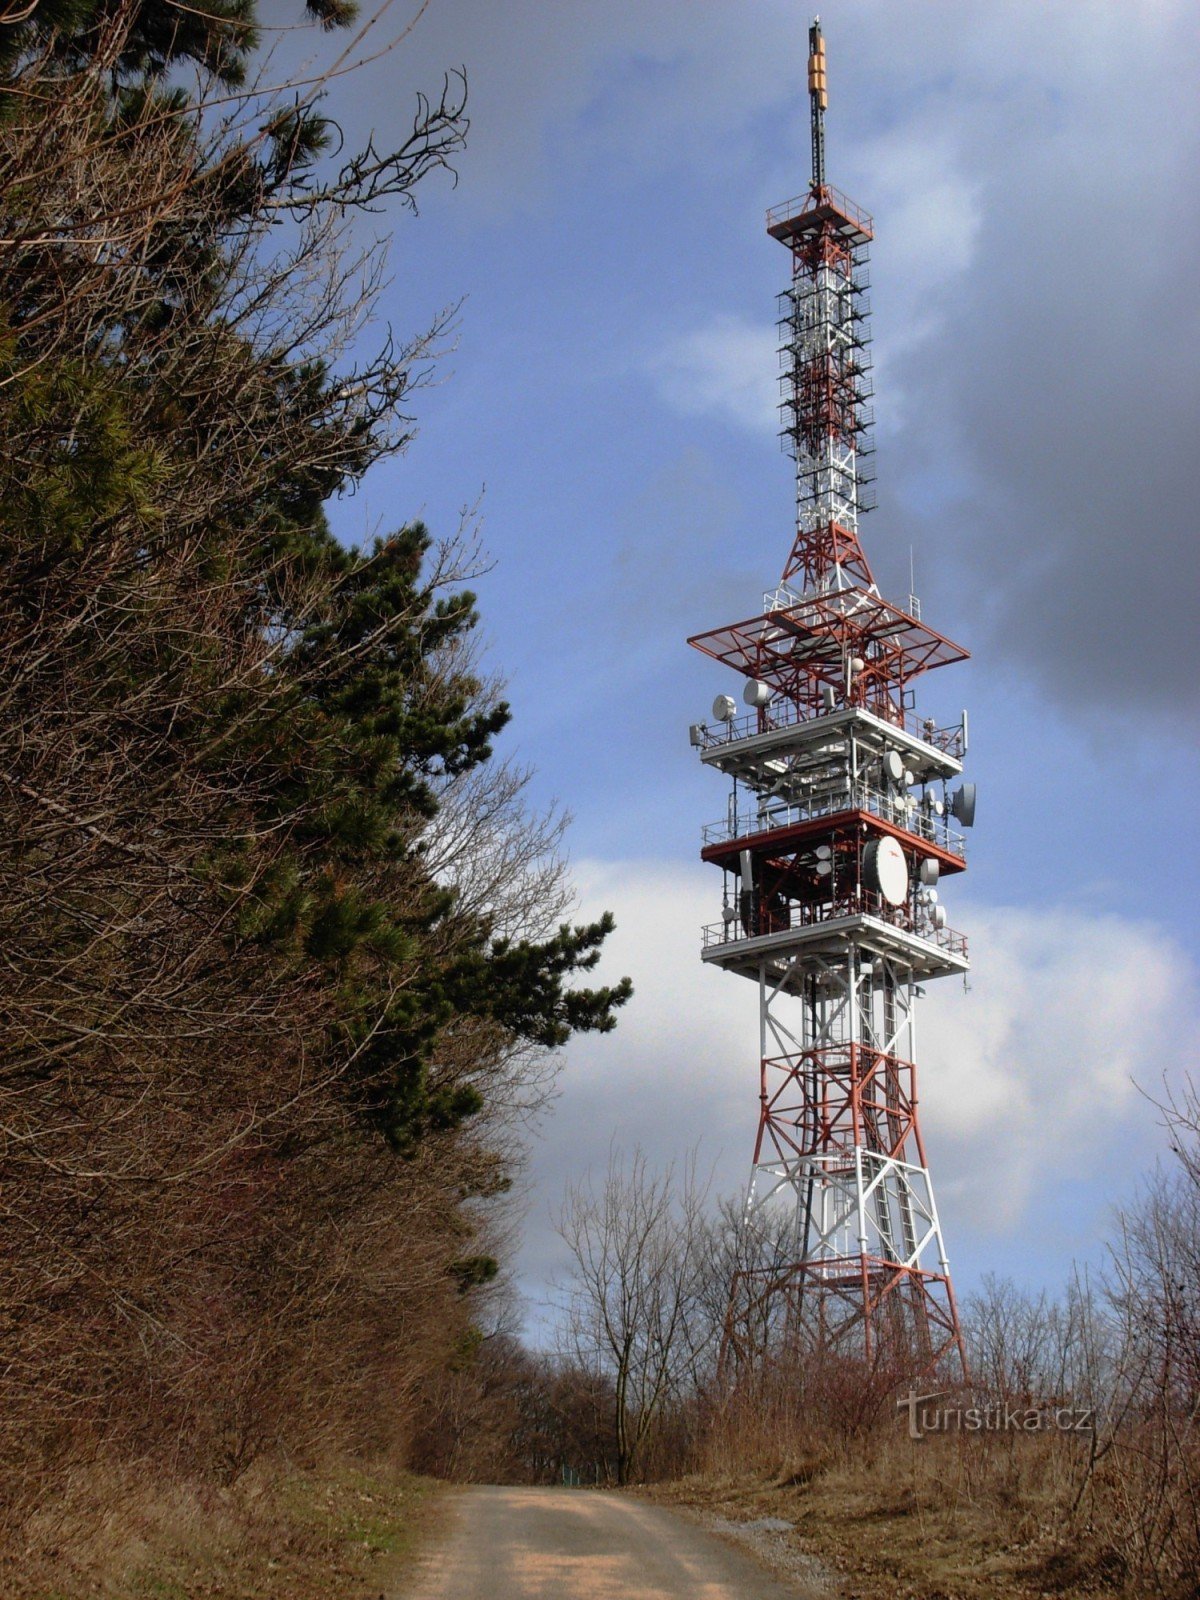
{"type": "Point", "coordinates": [818, 97]}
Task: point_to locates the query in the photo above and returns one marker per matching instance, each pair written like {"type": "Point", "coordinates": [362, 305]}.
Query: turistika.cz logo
{"type": "Point", "coordinates": [1001, 1416]}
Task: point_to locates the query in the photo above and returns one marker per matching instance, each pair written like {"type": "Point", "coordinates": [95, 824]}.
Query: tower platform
{"type": "Point", "coordinates": [822, 207]}
{"type": "Point", "coordinates": [937, 953]}
{"type": "Point", "coordinates": [739, 747]}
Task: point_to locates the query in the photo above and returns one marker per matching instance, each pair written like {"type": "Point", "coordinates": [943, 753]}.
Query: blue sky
{"type": "Point", "coordinates": [1031, 168]}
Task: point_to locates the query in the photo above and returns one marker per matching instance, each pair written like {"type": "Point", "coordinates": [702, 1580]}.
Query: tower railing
{"type": "Point", "coordinates": [789, 210]}
{"type": "Point", "coordinates": [855, 797]}
{"type": "Point", "coordinates": [787, 714]}
{"type": "Point", "coordinates": [799, 916]}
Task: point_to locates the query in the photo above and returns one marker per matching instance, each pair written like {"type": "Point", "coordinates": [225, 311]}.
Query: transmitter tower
{"type": "Point", "coordinates": [841, 828]}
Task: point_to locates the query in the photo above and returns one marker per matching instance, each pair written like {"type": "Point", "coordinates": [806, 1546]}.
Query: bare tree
{"type": "Point", "coordinates": [1150, 1455]}
{"type": "Point", "coordinates": [636, 1247]}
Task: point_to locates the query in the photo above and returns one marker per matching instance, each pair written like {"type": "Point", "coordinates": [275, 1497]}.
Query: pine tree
{"type": "Point", "coordinates": [262, 1022]}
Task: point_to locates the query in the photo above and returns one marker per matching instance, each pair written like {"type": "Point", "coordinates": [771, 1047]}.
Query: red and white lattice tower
{"type": "Point", "coordinates": [837, 836]}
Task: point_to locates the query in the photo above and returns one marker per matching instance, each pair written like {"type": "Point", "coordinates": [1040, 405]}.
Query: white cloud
{"type": "Point", "coordinates": [1033, 1080]}
{"type": "Point", "coordinates": [725, 368]}
{"type": "Point", "coordinates": [1041, 1074]}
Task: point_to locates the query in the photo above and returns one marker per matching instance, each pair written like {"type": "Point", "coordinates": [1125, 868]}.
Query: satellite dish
{"type": "Point", "coordinates": [931, 897]}
{"type": "Point", "coordinates": [724, 708]}
{"type": "Point", "coordinates": [756, 694]}
{"type": "Point", "coordinates": [939, 916]}
{"type": "Point", "coordinates": [728, 915]}
{"type": "Point", "coordinates": [886, 871]}
{"type": "Point", "coordinates": [824, 851]}
{"type": "Point", "coordinates": [824, 868]}
{"type": "Point", "coordinates": [910, 776]}
{"type": "Point", "coordinates": [893, 765]}
{"type": "Point", "coordinates": [929, 871]}
{"type": "Point", "coordinates": [962, 805]}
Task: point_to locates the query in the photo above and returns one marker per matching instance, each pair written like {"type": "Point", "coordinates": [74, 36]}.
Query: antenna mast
{"type": "Point", "coordinates": [818, 98]}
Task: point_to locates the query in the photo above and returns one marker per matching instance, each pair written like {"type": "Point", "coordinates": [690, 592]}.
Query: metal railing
{"type": "Point", "coordinates": [786, 714]}
{"type": "Point", "coordinates": [854, 797]}
{"type": "Point", "coordinates": [810, 200]}
{"type": "Point", "coordinates": [800, 915]}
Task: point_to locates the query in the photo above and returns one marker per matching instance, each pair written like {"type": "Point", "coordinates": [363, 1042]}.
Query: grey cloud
{"type": "Point", "coordinates": [1061, 379]}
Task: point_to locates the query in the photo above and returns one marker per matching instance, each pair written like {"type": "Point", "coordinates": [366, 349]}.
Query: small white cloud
{"type": "Point", "coordinates": [932, 208]}
{"type": "Point", "coordinates": [725, 368]}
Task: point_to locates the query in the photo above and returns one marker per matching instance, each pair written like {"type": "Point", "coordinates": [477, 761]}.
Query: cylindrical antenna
{"type": "Point", "coordinates": [818, 97]}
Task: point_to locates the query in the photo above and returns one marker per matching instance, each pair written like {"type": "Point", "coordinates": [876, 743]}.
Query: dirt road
{"type": "Point", "coordinates": [570, 1544]}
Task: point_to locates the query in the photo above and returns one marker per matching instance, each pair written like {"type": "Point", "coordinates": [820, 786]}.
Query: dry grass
{"type": "Point", "coordinates": [940, 1519]}
{"type": "Point", "coordinates": [349, 1532]}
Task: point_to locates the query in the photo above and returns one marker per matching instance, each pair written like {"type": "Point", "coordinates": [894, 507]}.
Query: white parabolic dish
{"type": "Point", "coordinates": [893, 765]}
{"type": "Point", "coordinates": [885, 869]}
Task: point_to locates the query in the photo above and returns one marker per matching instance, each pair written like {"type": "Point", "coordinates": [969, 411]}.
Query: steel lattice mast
{"type": "Point", "coordinates": [835, 840]}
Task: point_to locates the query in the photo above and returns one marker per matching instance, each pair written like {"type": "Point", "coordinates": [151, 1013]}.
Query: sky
{"type": "Point", "coordinates": [609, 403]}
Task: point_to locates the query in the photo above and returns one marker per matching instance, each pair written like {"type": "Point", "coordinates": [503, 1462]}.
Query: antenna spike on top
{"type": "Point", "coordinates": [818, 96]}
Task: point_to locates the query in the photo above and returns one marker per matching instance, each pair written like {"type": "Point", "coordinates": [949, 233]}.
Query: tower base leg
{"type": "Point", "coordinates": [889, 1317]}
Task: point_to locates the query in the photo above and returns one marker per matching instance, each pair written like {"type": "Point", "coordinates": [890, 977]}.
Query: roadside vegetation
{"type": "Point", "coordinates": [347, 1528]}
{"type": "Point", "coordinates": [286, 954]}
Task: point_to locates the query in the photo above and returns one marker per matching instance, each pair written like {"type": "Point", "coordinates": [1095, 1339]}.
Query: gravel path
{"type": "Point", "coordinates": [571, 1544]}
